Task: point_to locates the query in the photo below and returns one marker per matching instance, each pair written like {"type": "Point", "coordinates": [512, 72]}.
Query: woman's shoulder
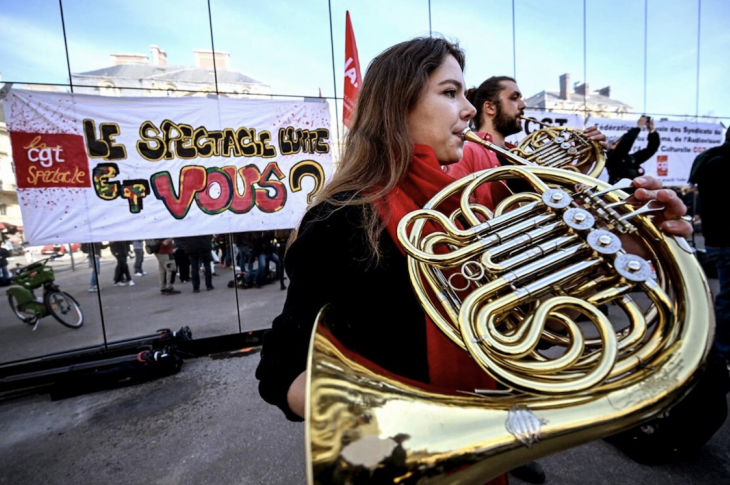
{"type": "Point", "coordinates": [339, 209]}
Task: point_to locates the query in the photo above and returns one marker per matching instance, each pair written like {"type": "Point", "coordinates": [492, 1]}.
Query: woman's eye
{"type": "Point", "coordinates": [451, 93]}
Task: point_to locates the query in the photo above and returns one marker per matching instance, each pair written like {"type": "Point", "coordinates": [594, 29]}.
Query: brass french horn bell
{"type": "Point", "coordinates": [561, 147]}
{"type": "Point", "coordinates": [507, 286]}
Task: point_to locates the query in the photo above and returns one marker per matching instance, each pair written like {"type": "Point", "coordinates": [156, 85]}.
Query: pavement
{"type": "Point", "coordinates": [207, 425]}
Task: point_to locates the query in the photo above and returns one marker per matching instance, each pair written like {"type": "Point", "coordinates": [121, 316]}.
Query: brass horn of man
{"type": "Point", "coordinates": [560, 147]}
{"type": "Point", "coordinates": [504, 285]}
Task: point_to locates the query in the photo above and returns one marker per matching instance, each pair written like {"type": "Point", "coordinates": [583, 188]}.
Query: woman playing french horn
{"type": "Point", "coordinates": [410, 116]}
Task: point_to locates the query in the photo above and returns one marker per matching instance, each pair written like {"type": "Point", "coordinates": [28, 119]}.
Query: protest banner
{"type": "Point", "coordinates": [96, 168]}
{"type": "Point", "coordinates": [681, 142]}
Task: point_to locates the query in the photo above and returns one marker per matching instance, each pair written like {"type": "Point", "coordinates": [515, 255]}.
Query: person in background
{"type": "Point", "coordinates": [4, 274]}
{"type": "Point", "coordinates": [621, 164]}
{"type": "Point", "coordinates": [138, 247]}
{"type": "Point", "coordinates": [120, 250]}
{"type": "Point", "coordinates": [198, 250]}
{"type": "Point", "coordinates": [93, 253]}
{"type": "Point", "coordinates": [711, 172]}
{"type": "Point", "coordinates": [182, 261]}
{"type": "Point", "coordinates": [265, 251]}
{"type": "Point", "coordinates": [166, 266]}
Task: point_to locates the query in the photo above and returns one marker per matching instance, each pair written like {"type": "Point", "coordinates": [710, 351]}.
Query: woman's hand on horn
{"type": "Point", "coordinates": [671, 218]}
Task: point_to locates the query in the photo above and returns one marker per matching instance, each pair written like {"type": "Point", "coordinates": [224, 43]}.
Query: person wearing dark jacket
{"type": "Point", "coordinates": [198, 250]}
{"type": "Point", "coordinates": [120, 250]}
{"type": "Point", "coordinates": [4, 274]}
{"type": "Point", "coordinates": [93, 252]}
{"type": "Point", "coordinates": [624, 165]}
{"type": "Point", "coordinates": [711, 171]}
{"type": "Point", "coordinates": [265, 251]}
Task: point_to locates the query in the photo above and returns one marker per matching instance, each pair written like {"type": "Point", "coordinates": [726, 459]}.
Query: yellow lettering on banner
{"type": "Point", "coordinates": [182, 141]}
{"type": "Point", "coordinates": [56, 176]}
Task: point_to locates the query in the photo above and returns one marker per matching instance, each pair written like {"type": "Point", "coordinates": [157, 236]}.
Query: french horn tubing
{"type": "Point", "coordinates": [560, 147]}
{"type": "Point", "coordinates": [508, 286]}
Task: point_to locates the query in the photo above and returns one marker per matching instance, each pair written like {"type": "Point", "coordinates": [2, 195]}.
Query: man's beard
{"type": "Point", "coordinates": [505, 124]}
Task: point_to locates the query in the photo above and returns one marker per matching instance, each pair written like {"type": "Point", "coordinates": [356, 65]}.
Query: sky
{"type": "Point", "coordinates": [647, 51]}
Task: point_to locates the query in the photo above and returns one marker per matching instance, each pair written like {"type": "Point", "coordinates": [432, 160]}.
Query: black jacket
{"type": "Point", "coordinates": [622, 164]}
{"type": "Point", "coordinates": [711, 178]}
{"type": "Point", "coordinates": [330, 262]}
{"type": "Point", "coordinates": [197, 244]}
{"type": "Point", "coordinates": [119, 248]}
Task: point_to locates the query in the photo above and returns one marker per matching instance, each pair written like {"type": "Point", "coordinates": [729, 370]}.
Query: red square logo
{"type": "Point", "coordinates": [50, 160]}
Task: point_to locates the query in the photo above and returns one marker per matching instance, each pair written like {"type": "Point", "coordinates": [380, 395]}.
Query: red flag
{"type": "Point", "coordinates": [353, 76]}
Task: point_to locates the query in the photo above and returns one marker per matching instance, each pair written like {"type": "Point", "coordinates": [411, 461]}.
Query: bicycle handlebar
{"type": "Point", "coordinates": [37, 264]}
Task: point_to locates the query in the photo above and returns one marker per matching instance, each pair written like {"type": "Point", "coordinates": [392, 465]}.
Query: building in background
{"type": "Point", "coordinates": [580, 99]}
{"type": "Point", "coordinates": [11, 222]}
{"type": "Point", "coordinates": [152, 76]}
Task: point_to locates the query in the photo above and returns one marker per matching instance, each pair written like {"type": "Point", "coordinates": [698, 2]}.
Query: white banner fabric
{"type": "Point", "coordinates": [97, 168]}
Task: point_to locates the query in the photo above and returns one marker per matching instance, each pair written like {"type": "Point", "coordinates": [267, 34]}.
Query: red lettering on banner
{"type": "Point", "coordinates": [264, 201]}
{"type": "Point", "coordinates": [245, 201]}
{"type": "Point", "coordinates": [50, 160]}
{"type": "Point", "coordinates": [215, 205]}
{"type": "Point", "coordinates": [193, 179]}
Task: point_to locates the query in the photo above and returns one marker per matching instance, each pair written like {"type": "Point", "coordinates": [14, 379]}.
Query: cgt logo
{"type": "Point", "coordinates": [37, 151]}
{"type": "Point", "coordinates": [50, 160]}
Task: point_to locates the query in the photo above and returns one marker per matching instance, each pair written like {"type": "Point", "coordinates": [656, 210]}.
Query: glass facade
{"type": "Point", "coordinates": [648, 57]}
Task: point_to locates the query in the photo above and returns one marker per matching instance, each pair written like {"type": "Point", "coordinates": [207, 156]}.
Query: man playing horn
{"type": "Point", "coordinates": [499, 106]}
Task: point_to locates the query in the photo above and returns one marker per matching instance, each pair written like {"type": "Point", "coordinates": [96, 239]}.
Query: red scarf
{"type": "Point", "coordinates": [449, 366]}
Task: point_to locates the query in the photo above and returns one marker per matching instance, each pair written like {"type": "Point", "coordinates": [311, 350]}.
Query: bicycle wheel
{"type": "Point", "coordinates": [64, 308]}
{"type": "Point", "coordinates": [28, 316]}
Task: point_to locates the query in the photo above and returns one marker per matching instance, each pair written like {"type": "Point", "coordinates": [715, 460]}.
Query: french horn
{"type": "Point", "coordinates": [560, 147]}
{"type": "Point", "coordinates": [508, 286]}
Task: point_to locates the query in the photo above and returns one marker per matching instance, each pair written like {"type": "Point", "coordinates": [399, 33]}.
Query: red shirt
{"type": "Point", "coordinates": [166, 247]}
{"type": "Point", "coordinates": [475, 159]}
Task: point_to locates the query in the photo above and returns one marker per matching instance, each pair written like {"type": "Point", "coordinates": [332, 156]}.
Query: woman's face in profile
{"type": "Point", "coordinates": [442, 112]}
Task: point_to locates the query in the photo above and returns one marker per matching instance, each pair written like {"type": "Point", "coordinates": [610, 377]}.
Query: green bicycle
{"type": "Point", "coordinates": [30, 309]}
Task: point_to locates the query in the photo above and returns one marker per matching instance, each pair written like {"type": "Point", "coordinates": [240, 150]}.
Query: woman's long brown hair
{"type": "Point", "coordinates": [378, 148]}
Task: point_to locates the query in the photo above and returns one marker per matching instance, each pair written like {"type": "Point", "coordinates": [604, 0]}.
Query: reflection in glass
{"type": "Point", "coordinates": [261, 282]}
{"type": "Point", "coordinates": [162, 294]}
{"type": "Point", "coordinates": [77, 323]}
{"type": "Point", "coordinates": [287, 49]}
{"type": "Point", "coordinates": [134, 52]}
{"type": "Point", "coordinates": [549, 48]}
{"type": "Point", "coordinates": [31, 43]}
{"type": "Point", "coordinates": [671, 62]}
{"type": "Point", "coordinates": [713, 96]}
{"type": "Point", "coordinates": [615, 63]}
{"type": "Point", "coordinates": [484, 31]}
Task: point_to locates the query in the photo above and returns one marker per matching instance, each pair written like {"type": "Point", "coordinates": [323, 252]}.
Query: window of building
{"type": "Point", "coordinates": [3, 210]}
